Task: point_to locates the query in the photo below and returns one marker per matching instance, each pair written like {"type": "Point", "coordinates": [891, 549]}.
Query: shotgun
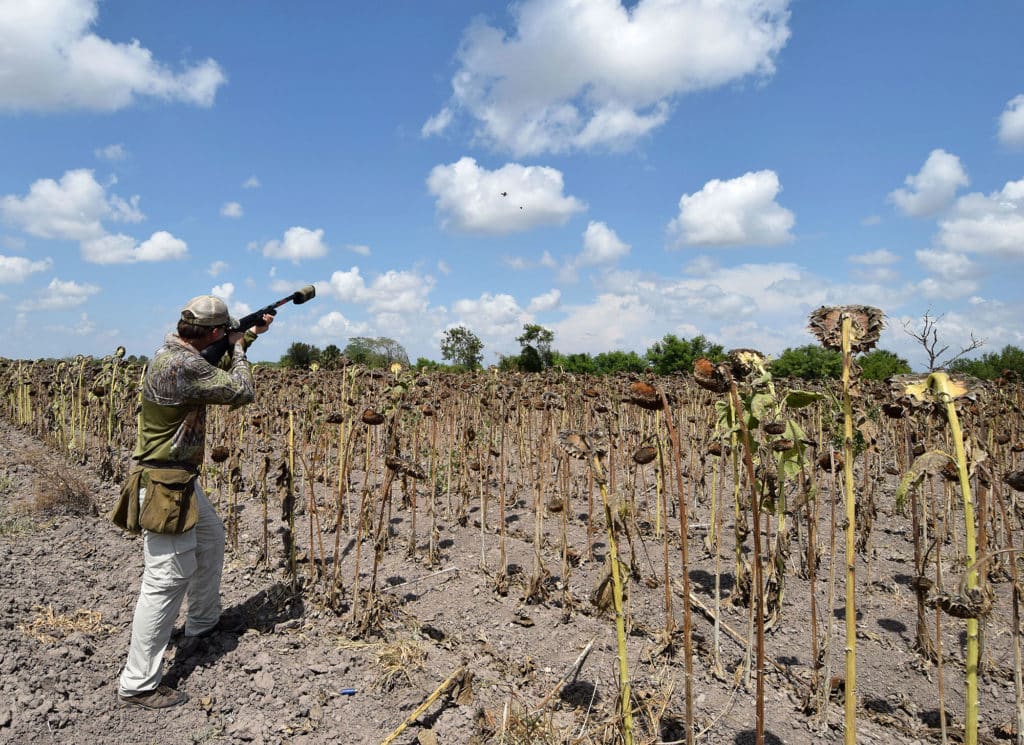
{"type": "Point", "coordinates": [215, 351]}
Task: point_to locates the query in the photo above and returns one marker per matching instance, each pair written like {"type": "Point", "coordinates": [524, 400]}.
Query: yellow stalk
{"type": "Point", "coordinates": [939, 382]}
{"type": "Point", "coordinates": [620, 619]}
{"type": "Point", "coordinates": [850, 685]}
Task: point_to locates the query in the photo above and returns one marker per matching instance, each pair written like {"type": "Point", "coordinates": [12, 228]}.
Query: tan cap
{"type": "Point", "coordinates": [206, 310]}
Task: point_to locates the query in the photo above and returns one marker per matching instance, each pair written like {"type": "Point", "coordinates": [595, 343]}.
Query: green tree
{"type": "Point", "coordinates": [990, 366]}
{"type": "Point", "coordinates": [330, 358]}
{"type": "Point", "coordinates": [535, 342]}
{"type": "Point", "coordinates": [615, 362]}
{"type": "Point", "coordinates": [462, 347]}
{"type": "Point", "coordinates": [673, 354]}
{"type": "Point", "coordinates": [578, 363]}
{"type": "Point", "coordinates": [810, 362]}
{"type": "Point", "coordinates": [880, 364]}
{"type": "Point", "coordinates": [423, 364]}
{"type": "Point", "coordinates": [300, 354]}
{"type": "Point", "coordinates": [375, 351]}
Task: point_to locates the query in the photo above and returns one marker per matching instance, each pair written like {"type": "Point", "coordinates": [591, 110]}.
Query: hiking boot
{"type": "Point", "coordinates": [228, 623]}
{"type": "Point", "coordinates": [161, 697]}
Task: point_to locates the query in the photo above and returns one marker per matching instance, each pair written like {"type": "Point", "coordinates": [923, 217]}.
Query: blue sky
{"type": "Point", "coordinates": [614, 172]}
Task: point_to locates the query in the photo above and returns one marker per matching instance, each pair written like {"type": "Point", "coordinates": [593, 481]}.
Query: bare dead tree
{"type": "Point", "coordinates": [927, 335]}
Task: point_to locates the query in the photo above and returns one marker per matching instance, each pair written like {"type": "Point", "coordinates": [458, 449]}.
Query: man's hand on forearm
{"type": "Point", "coordinates": [262, 328]}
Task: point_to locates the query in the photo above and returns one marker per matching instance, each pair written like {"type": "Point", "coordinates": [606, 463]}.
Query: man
{"type": "Point", "coordinates": [178, 386]}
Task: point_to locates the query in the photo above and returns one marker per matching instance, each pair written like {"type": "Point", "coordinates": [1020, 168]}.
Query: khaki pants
{"type": "Point", "coordinates": [175, 565]}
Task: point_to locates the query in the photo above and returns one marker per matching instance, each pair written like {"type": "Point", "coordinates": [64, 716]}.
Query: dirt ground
{"type": "Point", "coordinates": [295, 675]}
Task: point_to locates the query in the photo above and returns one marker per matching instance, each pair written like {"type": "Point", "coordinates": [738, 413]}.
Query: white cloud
{"type": "Point", "coordinates": [443, 267]}
{"type": "Point", "coordinates": [512, 199]}
{"type": "Point", "coordinates": [122, 249]}
{"type": "Point", "coordinates": [545, 302]}
{"type": "Point", "coordinates": [520, 263]}
{"type": "Point", "coordinates": [947, 264]}
{"type": "Point", "coordinates": [515, 262]}
{"type": "Point", "coordinates": [216, 268]}
{"type": "Point", "coordinates": [438, 123]}
{"type": "Point", "coordinates": [764, 306]}
{"type": "Point", "coordinates": [877, 274]}
{"type": "Point", "coordinates": [389, 294]}
{"type": "Point", "coordinates": [299, 243]}
{"type": "Point", "coordinates": [60, 295]}
{"type": "Point", "coordinates": [878, 266]}
{"type": "Point", "coordinates": [349, 286]}
{"type": "Point", "coordinates": [231, 209]}
{"type": "Point", "coordinates": [111, 152]}
{"type": "Point", "coordinates": [85, 327]}
{"type": "Point", "coordinates": [161, 246]}
{"type": "Point", "coordinates": [251, 183]}
{"type": "Point", "coordinates": [496, 316]}
{"type": "Point", "coordinates": [932, 189]}
{"type": "Point", "coordinates": [74, 209]}
{"type": "Point", "coordinates": [71, 209]}
{"type": "Point", "coordinates": [334, 328]}
{"type": "Point", "coordinates": [16, 269]}
{"type": "Point", "coordinates": [601, 245]}
{"type": "Point", "coordinates": [575, 74]}
{"type": "Point", "coordinates": [399, 292]}
{"type": "Point", "coordinates": [741, 211]}
{"type": "Point", "coordinates": [879, 257]}
{"type": "Point", "coordinates": [61, 65]}
{"type": "Point", "coordinates": [992, 224]}
{"type": "Point", "coordinates": [610, 322]}
{"type": "Point", "coordinates": [226, 292]}
{"type": "Point", "coordinates": [358, 248]}
{"type": "Point", "coordinates": [125, 211]}
{"type": "Point", "coordinates": [935, 289]}
{"type": "Point", "coordinates": [1011, 122]}
{"type": "Point", "coordinates": [701, 266]}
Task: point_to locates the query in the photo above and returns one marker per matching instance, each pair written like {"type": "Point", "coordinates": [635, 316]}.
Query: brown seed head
{"type": "Point", "coordinates": [710, 376]}
{"type": "Point", "coordinates": [746, 361]}
{"type": "Point", "coordinates": [645, 454]}
{"type": "Point", "coordinates": [1015, 479]}
{"type": "Point", "coordinates": [372, 417]}
{"type": "Point", "coordinates": [866, 323]}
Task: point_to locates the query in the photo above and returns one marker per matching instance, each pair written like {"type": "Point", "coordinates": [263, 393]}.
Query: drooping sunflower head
{"type": "Point", "coordinates": [711, 377]}
{"type": "Point", "coordinates": [644, 395]}
{"type": "Point", "coordinates": [866, 324]}
{"type": "Point", "coordinates": [583, 445]}
{"type": "Point", "coordinates": [746, 361]}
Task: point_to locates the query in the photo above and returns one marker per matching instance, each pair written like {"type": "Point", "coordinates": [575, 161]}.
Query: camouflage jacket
{"type": "Point", "coordinates": [175, 392]}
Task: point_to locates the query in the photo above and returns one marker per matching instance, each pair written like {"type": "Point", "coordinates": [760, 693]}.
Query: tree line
{"type": "Point", "coordinates": [462, 349]}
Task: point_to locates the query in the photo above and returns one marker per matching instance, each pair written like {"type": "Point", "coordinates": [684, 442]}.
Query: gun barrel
{"type": "Point", "coordinates": [306, 293]}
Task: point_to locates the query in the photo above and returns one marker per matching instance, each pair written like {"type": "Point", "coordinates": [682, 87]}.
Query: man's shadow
{"type": "Point", "coordinates": [263, 611]}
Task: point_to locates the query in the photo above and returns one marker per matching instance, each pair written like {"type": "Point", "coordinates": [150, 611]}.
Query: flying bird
{"type": "Point", "coordinates": [504, 193]}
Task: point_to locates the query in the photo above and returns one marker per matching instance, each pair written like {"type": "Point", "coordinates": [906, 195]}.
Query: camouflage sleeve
{"type": "Point", "coordinates": [207, 384]}
{"type": "Point", "coordinates": [247, 339]}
